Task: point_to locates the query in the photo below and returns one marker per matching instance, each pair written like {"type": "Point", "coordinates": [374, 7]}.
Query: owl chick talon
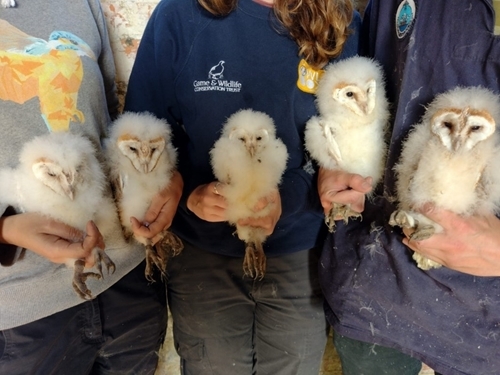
{"type": "Point", "coordinates": [154, 259]}
{"type": "Point", "coordinates": [422, 233]}
{"type": "Point", "coordinates": [171, 243]}
{"type": "Point", "coordinates": [340, 212]}
{"type": "Point", "coordinates": [330, 221]}
{"type": "Point", "coordinates": [100, 258]}
{"type": "Point", "coordinates": [79, 279]}
{"type": "Point", "coordinates": [402, 219]}
{"type": "Point", "coordinates": [254, 264]}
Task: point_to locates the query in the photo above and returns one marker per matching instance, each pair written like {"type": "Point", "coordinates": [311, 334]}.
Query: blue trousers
{"type": "Point", "coordinates": [119, 332]}
{"type": "Point", "coordinates": [225, 323]}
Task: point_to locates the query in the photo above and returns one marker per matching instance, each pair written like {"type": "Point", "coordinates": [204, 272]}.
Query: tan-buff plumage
{"type": "Point", "coordinates": [449, 159]}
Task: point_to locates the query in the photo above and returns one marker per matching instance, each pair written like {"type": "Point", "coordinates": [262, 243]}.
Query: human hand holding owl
{"type": "Point", "coordinates": [161, 211]}
{"type": "Point", "coordinates": [466, 244]}
{"type": "Point", "coordinates": [268, 221]}
{"type": "Point", "coordinates": [50, 238]}
{"type": "Point", "coordinates": [208, 203]}
{"type": "Point", "coordinates": [343, 188]}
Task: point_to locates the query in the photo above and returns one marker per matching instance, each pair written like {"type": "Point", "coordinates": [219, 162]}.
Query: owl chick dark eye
{"type": "Point", "coordinates": [241, 139]}
{"type": "Point", "coordinates": [259, 138]}
{"type": "Point", "coordinates": [153, 149]}
{"type": "Point", "coordinates": [51, 174]}
{"type": "Point", "coordinates": [349, 94]}
{"type": "Point", "coordinates": [133, 149]}
{"type": "Point", "coordinates": [448, 125]}
{"type": "Point", "coordinates": [475, 128]}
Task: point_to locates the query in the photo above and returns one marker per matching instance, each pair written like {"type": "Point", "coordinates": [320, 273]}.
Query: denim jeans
{"type": "Point", "coordinates": [226, 323]}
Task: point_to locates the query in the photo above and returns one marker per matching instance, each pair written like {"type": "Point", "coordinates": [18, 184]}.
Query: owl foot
{"type": "Point", "coordinates": [339, 212]}
{"type": "Point", "coordinates": [425, 263]}
{"type": "Point", "coordinates": [100, 258]}
{"type": "Point", "coordinates": [420, 232]}
{"type": "Point", "coordinates": [169, 246]}
{"type": "Point", "coordinates": [404, 219]}
{"type": "Point", "coordinates": [171, 243]}
{"type": "Point", "coordinates": [79, 279]}
{"type": "Point", "coordinates": [254, 264]}
{"type": "Point", "coordinates": [153, 259]}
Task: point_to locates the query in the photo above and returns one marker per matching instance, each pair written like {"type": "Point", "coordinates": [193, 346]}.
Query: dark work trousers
{"type": "Point", "coordinates": [118, 332]}
{"type": "Point", "coordinates": [226, 323]}
{"type": "Point", "coordinates": [362, 358]}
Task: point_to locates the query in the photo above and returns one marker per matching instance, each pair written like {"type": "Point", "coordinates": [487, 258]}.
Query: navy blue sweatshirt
{"type": "Point", "coordinates": [195, 70]}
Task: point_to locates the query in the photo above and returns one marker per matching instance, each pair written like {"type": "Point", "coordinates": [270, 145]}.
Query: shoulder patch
{"type": "Point", "coordinates": [405, 16]}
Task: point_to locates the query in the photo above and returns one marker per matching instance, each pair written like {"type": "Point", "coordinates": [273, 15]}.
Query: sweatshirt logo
{"type": "Point", "coordinates": [217, 71]}
{"type": "Point", "coordinates": [405, 17]}
{"type": "Point", "coordinates": [50, 70]}
{"type": "Point", "coordinates": [216, 81]}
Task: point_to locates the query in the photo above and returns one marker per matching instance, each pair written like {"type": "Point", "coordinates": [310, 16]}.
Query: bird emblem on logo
{"type": "Point", "coordinates": [217, 70]}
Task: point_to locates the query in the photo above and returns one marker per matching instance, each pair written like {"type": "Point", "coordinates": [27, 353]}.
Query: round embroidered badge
{"type": "Point", "coordinates": [405, 15]}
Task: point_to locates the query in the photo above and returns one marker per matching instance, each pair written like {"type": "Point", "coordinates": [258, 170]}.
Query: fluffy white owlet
{"type": "Point", "coordinates": [249, 160]}
{"type": "Point", "coordinates": [141, 161]}
{"type": "Point", "coordinates": [60, 176]}
{"type": "Point", "coordinates": [449, 159]}
{"type": "Point", "coordinates": [349, 132]}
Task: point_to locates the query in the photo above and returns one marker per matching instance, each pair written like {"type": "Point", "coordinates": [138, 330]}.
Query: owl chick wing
{"type": "Point", "coordinates": [321, 144]}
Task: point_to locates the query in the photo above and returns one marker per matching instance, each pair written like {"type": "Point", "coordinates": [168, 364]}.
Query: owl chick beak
{"type": "Point", "coordinates": [69, 191]}
{"type": "Point", "coordinates": [69, 185]}
{"type": "Point", "coordinates": [145, 167]}
{"type": "Point", "coordinates": [456, 144]}
{"type": "Point", "coordinates": [252, 148]}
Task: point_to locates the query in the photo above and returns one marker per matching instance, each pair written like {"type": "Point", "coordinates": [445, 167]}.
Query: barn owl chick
{"type": "Point", "coordinates": [249, 160]}
{"type": "Point", "coordinates": [449, 160]}
{"type": "Point", "coordinates": [348, 134]}
{"type": "Point", "coordinates": [141, 162]}
{"type": "Point", "coordinates": [60, 176]}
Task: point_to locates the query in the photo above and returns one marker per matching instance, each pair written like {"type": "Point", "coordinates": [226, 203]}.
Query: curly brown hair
{"type": "Point", "coordinates": [320, 27]}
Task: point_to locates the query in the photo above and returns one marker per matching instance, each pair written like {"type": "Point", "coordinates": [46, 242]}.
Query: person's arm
{"type": "Point", "coordinates": [344, 188]}
{"type": "Point", "coordinates": [467, 244]}
{"type": "Point", "coordinates": [49, 238]}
